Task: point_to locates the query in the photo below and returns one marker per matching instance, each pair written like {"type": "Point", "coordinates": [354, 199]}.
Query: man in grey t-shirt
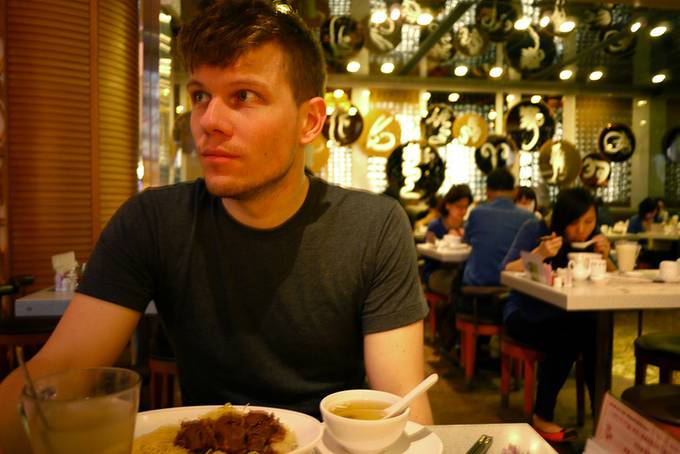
{"type": "Point", "coordinates": [303, 288]}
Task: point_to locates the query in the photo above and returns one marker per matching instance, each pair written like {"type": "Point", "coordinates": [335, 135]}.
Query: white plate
{"type": "Point", "coordinates": [416, 439]}
{"type": "Point", "coordinates": [308, 430]}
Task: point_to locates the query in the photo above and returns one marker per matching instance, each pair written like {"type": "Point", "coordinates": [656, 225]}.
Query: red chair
{"type": "Point", "coordinates": [473, 325]}
{"type": "Point", "coordinates": [522, 354]}
{"type": "Point", "coordinates": [433, 300]}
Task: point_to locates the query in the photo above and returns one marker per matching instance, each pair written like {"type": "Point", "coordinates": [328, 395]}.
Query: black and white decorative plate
{"type": "Point", "coordinates": [497, 151]}
{"type": "Point", "coordinates": [529, 125]}
{"type": "Point", "coordinates": [616, 142]}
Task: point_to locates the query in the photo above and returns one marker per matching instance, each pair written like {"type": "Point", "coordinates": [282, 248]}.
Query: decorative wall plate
{"type": "Point", "coordinates": [623, 45]}
{"type": "Point", "coordinates": [470, 40]}
{"type": "Point", "coordinates": [437, 126]}
{"type": "Point", "coordinates": [343, 127]}
{"type": "Point", "coordinates": [595, 170]}
{"type": "Point", "coordinates": [496, 18]}
{"type": "Point", "coordinates": [558, 15]}
{"type": "Point", "coordinates": [341, 37]}
{"type": "Point", "coordinates": [529, 125]}
{"type": "Point", "coordinates": [443, 50]}
{"type": "Point", "coordinates": [381, 134]}
{"type": "Point", "coordinates": [530, 50]}
{"type": "Point", "coordinates": [616, 142]}
{"type": "Point", "coordinates": [382, 38]}
{"type": "Point", "coordinates": [671, 145]}
{"type": "Point", "coordinates": [417, 170]}
{"type": "Point", "coordinates": [314, 12]}
{"type": "Point", "coordinates": [470, 129]}
{"type": "Point", "coordinates": [497, 151]}
{"type": "Point", "coordinates": [559, 162]}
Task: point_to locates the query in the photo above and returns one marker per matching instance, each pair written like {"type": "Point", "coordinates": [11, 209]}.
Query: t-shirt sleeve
{"type": "Point", "coordinates": [525, 240]}
{"type": "Point", "coordinates": [395, 297]}
{"type": "Point", "coordinates": [120, 268]}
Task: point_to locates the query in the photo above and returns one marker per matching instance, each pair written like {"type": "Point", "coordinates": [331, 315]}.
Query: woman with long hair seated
{"type": "Point", "coordinates": [561, 335]}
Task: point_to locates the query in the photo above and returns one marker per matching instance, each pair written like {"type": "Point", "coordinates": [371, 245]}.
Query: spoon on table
{"type": "Point", "coordinates": [404, 402]}
{"type": "Point", "coordinates": [582, 244]}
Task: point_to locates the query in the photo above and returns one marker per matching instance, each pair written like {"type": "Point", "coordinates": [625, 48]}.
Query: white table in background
{"type": "Point", "coordinates": [618, 293]}
{"type": "Point", "coordinates": [51, 303]}
{"type": "Point", "coordinates": [445, 255]}
{"type": "Point", "coordinates": [460, 437]}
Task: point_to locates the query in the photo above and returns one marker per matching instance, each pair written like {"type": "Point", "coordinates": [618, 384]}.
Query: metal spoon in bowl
{"type": "Point", "coordinates": [404, 402]}
{"type": "Point", "coordinates": [582, 244]}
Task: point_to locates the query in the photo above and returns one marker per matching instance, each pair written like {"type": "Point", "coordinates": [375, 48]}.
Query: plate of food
{"type": "Point", "coordinates": [204, 428]}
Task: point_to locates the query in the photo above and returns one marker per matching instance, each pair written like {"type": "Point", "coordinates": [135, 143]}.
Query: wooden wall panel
{"type": "Point", "coordinates": [73, 125]}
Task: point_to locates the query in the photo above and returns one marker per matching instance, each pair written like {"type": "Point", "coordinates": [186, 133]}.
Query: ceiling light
{"type": "Point", "coordinates": [522, 23]}
{"type": "Point", "coordinates": [566, 74]}
{"type": "Point", "coordinates": [642, 102]}
{"type": "Point", "coordinates": [567, 26]}
{"type": "Point", "coordinates": [544, 22]}
{"type": "Point", "coordinates": [635, 26]}
{"type": "Point", "coordinates": [510, 99]}
{"type": "Point", "coordinates": [460, 70]}
{"type": "Point", "coordinates": [536, 99]}
{"type": "Point", "coordinates": [179, 109]}
{"type": "Point", "coordinates": [496, 71]}
{"type": "Point", "coordinates": [492, 115]}
{"type": "Point", "coordinates": [338, 93]}
{"type": "Point", "coordinates": [453, 97]}
{"type": "Point", "coordinates": [378, 17]}
{"type": "Point", "coordinates": [658, 78]}
{"type": "Point", "coordinates": [424, 19]}
{"type": "Point", "coordinates": [596, 75]}
{"type": "Point", "coordinates": [658, 31]}
{"type": "Point", "coordinates": [353, 66]}
{"type": "Point", "coordinates": [352, 111]}
{"type": "Point", "coordinates": [395, 12]}
{"type": "Point", "coordinates": [387, 67]}
{"type": "Point", "coordinates": [330, 110]}
{"type": "Point", "coordinates": [426, 95]}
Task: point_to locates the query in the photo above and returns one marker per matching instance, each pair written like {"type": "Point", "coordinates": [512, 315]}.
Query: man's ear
{"type": "Point", "coordinates": [313, 112]}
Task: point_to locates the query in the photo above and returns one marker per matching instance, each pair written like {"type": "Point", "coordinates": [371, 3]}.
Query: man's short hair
{"type": "Point", "coordinates": [226, 29]}
{"type": "Point", "coordinates": [500, 179]}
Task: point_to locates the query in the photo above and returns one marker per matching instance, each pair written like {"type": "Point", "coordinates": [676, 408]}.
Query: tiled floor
{"type": "Point", "coordinates": [454, 403]}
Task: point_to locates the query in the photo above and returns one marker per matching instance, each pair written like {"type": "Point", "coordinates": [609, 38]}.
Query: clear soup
{"type": "Point", "coordinates": [361, 409]}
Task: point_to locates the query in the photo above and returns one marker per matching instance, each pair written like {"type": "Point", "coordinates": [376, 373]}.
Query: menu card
{"type": "Point", "coordinates": [535, 268]}
{"type": "Point", "coordinates": [621, 429]}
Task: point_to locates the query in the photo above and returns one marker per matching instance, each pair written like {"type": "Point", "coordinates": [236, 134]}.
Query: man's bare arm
{"type": "Point", "coordinates": [394, 363]}
{"type": "Point", "coordinates": [92, 332]}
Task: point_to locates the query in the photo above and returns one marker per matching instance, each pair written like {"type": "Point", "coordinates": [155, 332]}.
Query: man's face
{"type": "Point", "coordinates": [246, 123]}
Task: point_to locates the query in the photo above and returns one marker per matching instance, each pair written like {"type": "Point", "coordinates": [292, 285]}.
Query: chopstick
{"type": "Point", "coordinates": [482, 445]}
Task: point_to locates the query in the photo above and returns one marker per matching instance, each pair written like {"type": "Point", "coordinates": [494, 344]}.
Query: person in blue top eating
{"type": "Point", "coordinates": [574, 219]}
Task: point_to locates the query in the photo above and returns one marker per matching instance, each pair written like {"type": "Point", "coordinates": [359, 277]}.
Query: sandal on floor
{"type": "Point", "coordinates": [558, 437]}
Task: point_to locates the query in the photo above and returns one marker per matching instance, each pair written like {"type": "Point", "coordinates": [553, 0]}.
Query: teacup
{"type": "Point", "coordinates": [580, 270]}
{"type": "Point", "coordinates": [669, 271]}
{"type": "Point", "coordinates": [362, 436]}
{"type": "Point", "coordinates": [598, 269]}
{"type": "Point", "coordinates": [626, 255]}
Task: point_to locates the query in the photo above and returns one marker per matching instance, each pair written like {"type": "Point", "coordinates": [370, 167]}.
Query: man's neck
{"type": "Point", "coordinates": [495, 195]}
{"type": "Point", "coordinates": [270, 207]}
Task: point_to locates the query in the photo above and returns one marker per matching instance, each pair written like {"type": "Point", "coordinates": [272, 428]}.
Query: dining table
{"type": "Point", "coordinates": [636, 290]}
{"type": "Point", "coordinates": [456, 254]}
{"type": "Point", "coordinates": [459, 438]}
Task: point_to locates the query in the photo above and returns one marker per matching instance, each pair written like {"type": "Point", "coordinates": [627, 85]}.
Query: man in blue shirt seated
{"type": "Point", "coordinates": [490, 230]}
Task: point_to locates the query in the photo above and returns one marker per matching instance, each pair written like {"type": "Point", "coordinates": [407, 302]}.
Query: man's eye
{"type": "Point", "coordinates": [199, 97]}
{"type": "Point", "coordinates": [244, 95]}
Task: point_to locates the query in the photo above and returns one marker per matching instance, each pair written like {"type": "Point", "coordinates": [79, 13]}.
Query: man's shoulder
{"type": "Point", "coordinates": [353, 198]}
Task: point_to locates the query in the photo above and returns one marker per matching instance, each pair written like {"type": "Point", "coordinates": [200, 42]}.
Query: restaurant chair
{"type": "Point", "coordinates": [478, 322]}
{"type": "Point", "coordinates": [162, 382]}
{"type": "Point", "coordinates": [434, 300]}
{"type": "Point", "coordinates": [28, 333]}
{"type": "Point", "coordinates": [22, 283]}
{"type": "Point", "coordinates": [657, 402]}
{"type": "Point", "coordinates": [658, 349]}
{"type": "Point", "coordinates": [7, 293]}
{"type": "Point", "coordinates": [527, 356]}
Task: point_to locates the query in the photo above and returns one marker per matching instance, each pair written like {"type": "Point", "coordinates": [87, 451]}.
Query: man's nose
{"type": "Point", "coordinates": [216, 117]}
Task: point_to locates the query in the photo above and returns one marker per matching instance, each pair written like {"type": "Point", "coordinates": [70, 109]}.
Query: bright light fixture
{"type": "Point", "coordinates": [635, 26]}
{"type": "Point", "coordinates": [165, 18]}
{"type": "Point", "coordinates": [510, 98]}
{"type": "Point", "coordinates": [426, 95]}
{"type": "Point", "coordinates": [658, 31]}
{"type": "Point", "coordinates": [496, 71]}
{"type": "Point", "coordinates": [492, 115]}
{"type": "Point", "coordinates": [179, 109]}
{"type": "Point", "coordinates": [395, 12]}
{"type": "Point", "coordinates": [330, 110]}
{"type": "Point", "coordinates": [658, 78]}
{"type": "Point", "coordinates": [461, 70]}
{"type": "Point", "coordinates": [387, 67]}
{"type": "Point", "coordinates": [567, 26]}
{"type": "Point", "coordinates": [642, 102]}
{"type": "Point", "coordinates": [596, 75]}
{"type": "Point", "coordinates": [353, 66]}
{"type": "Point", "coordinates": [352, 111]}
{"type": "Point", "coordinates": [522, 23]}
{"type": "Point", "coordinates": [424, 19]}
{"type": "Point", "coordinates": [338, 93]}
{"type": "Point", "coordinates": [535, 99]}
{"type": "Point", "coordinates": [379, 16]}
{"type": "Point", "coordinates": [544, 22]}
{"type": "Point", "coordinates": [453, 97]}
{"type": "Point", "coordinates": [566, 74]}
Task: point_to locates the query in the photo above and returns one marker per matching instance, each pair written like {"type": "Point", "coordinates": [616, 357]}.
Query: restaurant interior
{"type": "Point", "coordinates": [421, 95]}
